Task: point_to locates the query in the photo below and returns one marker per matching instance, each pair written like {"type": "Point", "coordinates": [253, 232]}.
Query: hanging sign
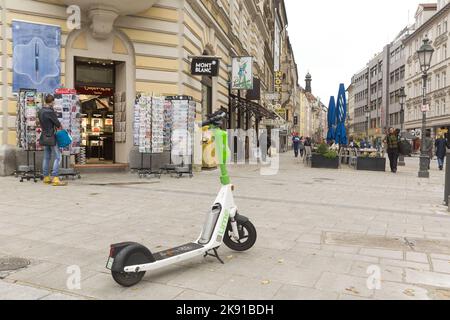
{"type": "Point", "coordinates": [279, 82]}
{"type": "Point", "coordinates": [242, 73]}
{"type": "Point", "coordinates": [205, 66]}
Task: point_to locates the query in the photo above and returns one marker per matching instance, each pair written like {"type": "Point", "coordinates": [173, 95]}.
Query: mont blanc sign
{"type": "Point", "coordinates": [205, 66]}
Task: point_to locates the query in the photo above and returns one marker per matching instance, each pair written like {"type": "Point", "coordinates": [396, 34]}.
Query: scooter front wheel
{"type": "Point", "coordinates": [247, 237]}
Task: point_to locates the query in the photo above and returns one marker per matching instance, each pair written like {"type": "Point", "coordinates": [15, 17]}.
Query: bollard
{"type": "Point", "coordinates": [447, 179]}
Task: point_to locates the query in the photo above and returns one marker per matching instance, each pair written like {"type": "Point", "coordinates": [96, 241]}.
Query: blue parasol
{"type": "Point", "coordinates": [341, 114]}
{"type": "Point", "coordinates": [331, 120]}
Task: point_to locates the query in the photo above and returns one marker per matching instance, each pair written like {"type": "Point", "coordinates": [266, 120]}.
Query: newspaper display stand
{"type": "Point", "coordinates": [68, 110]}
{"type": "Point", "coordinates": [182, 135]}
{"type": "Point", "coordinates": [149, 115]}
{"type": "Point", "coordinates": [28, 132]}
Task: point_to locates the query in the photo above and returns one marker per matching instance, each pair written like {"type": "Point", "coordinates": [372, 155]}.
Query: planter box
{"type": "Point", "coordinates": [320, 162]}
{"type": "Point", "coordinates": [371, 164]}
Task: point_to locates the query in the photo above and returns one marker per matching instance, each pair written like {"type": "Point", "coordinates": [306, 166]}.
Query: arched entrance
{"type": "Point", "coordinates": [101, 69]}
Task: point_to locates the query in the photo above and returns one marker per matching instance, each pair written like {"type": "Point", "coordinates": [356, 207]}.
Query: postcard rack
{"type": "Point", "coordinates": [28, 133]}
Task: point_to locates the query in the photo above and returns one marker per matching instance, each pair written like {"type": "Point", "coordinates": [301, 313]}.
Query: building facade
{"type": "Point", "coordinates": [149, 46]}
{"type": "Point", "coordinates": [375, 91]}
{"type": "Point", "coordinates": [431, 21]}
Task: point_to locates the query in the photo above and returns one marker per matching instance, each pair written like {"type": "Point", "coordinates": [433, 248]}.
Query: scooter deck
{"type": "Point", "coordinates": [170, 253]}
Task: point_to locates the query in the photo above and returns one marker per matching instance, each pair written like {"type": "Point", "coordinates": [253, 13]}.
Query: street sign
{"type": "Point", "coordinates": [272, 96]}
{"type": "Point", "coordinates": [426, 108]}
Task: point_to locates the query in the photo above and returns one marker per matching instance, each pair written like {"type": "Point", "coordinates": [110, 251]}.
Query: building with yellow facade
{"type": "Point", "coordinates": [147, 46]}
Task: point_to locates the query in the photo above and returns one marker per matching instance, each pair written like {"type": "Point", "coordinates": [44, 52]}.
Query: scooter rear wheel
{"type": "Point", "coordinates": [127, 279]}
{"type": "Point", "coordinates": [247, 234]}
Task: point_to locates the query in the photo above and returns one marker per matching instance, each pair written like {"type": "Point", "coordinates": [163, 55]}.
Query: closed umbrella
{"type": "Point", "coordinates": [341, 114]}
{"type": "Point", "coordinates": [331, 135]}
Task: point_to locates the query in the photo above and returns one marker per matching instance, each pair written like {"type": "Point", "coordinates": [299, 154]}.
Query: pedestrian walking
{"type": "Point", "coordinates": [429, 148]}
{"type": "Point", "coordinates": [302, 147]}
{"type": "Point", "coordinates": [392, 142]}
{"type": "Point", "coordinates": [441, 145]}
{"type": "Point", "coordinates": [49, 123]}
{"type": "Point", "coordinates": [296, 141]}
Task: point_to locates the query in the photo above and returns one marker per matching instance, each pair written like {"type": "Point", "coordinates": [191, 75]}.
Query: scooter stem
{"type": "Point", "coordinates": [222, 150]}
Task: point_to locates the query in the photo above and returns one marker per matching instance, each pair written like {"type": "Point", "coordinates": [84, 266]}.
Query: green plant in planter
{"type": "Point", "coordinates": [323, 149]}
{"type": "Point", "coordinates": [331, 154]}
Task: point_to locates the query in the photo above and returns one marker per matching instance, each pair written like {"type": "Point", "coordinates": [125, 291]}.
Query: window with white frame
{"type": "Point", "coordinates": [438, 82]}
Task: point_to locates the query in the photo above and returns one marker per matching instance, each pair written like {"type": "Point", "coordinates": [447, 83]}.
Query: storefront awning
{"type": "Point", "coordinates": [242, 104]}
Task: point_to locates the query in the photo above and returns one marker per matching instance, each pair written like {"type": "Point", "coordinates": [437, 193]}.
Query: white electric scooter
{"type": "Point", "coordinates": [129, 261]}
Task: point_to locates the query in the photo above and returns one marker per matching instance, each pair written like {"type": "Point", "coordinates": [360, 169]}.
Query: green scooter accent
{"type": "Point", "coordinates": [222, 150]}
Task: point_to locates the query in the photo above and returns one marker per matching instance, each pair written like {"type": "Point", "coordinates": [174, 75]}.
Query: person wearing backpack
{"type": "Point", "coordinates": [50, 124]}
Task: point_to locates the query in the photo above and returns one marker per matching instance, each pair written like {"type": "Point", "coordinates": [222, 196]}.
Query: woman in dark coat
{"type": "Point", "coordinates": [441, 151]}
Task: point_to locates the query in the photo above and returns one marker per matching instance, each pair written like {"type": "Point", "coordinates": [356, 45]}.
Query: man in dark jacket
{"type": "Point", "coordinates": [392, 141]}
{"type": "Point", "coordinates": [441, 145]}
{"type": "Point", "coordinates": [296, 142]}
{"type": "Point", "coordinates": [49, 124]}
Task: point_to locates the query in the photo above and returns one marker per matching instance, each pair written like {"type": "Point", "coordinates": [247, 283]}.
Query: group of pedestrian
{"type": "Point", "coordinates": [393, 141]}
{"type": "Point", "coordinates": [301, 145]}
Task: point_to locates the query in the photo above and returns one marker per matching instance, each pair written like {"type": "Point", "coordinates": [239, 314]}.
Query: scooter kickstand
{"type": "Point", "coordinates": [215, 255]}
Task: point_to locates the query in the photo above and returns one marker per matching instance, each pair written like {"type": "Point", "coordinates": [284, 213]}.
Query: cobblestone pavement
{"type": "Point", "coordinates": [323, 234]}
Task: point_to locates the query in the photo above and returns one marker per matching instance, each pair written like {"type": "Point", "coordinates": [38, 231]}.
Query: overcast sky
{"type": "Point", "coordinates": [335, 39]}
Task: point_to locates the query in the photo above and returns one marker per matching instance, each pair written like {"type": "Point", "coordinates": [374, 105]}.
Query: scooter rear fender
{"type": "Point", "coordinates": [141, 255]}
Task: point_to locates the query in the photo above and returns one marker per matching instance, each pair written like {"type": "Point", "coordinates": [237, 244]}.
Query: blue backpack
{"type": "Point", "coordinates": [63, 139]}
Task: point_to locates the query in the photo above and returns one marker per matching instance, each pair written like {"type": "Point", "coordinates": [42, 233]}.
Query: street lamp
{"type": "Point", "coordinates": [402, 98]}
{"type": "Point", "coordinates": [368, 123]}
{"type": "Point", "coordinates": [425, 55]}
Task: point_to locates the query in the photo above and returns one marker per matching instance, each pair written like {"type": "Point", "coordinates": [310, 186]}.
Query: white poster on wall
{"type": "Point", "coordinates": [242, 73]}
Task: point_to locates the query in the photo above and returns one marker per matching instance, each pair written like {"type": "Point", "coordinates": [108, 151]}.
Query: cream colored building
{"type": "Point", "coordinates": [150, 44]}
{"type": "Point", "coordinates": [431, 21]}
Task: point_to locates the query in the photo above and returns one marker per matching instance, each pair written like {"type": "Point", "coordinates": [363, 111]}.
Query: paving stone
{"type": "Point", "coordinates": [246, 289]}
{"type": "Point", "coordinates": [390, 254]}
{"type": "Point", "coordinates": [405, 264]}
{"type": "Point", "coordinates": [400, 291]}
{"type": "Point", "coordinates": [428, 278]}
{"type": "Point", "coordinates": [62, 297]}
{"type": "Point", "coordinates": [417, 257]}
{"type": "Point", "coordinates": [190, 295]}
{"type": "Point", "coordinates": [204, 280]}
{"type": "Point", "coordinates": [344, 284]}
{"type": "Point", "coordinates": [442, 266]}
{"type": "Point", "coordinates": [295, 275]}
{"type": "Point", "coordinates": [388, 273]}
{"type": "Point", "coordinates": [290, 292]}
{"type": "Point", "coordinates": [151, 291]}
{"type": "Point", "coordinates": [10, 291]}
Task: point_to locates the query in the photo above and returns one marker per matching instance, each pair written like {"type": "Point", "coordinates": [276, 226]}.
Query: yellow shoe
{"type": "Point", "coordinates": [47, 180]}
{"type": "Point", "coordinates": [58, 183]}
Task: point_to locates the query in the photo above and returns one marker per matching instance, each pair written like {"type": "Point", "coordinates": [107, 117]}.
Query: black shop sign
{"type": "Point", "coordinates": [202, 66]}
